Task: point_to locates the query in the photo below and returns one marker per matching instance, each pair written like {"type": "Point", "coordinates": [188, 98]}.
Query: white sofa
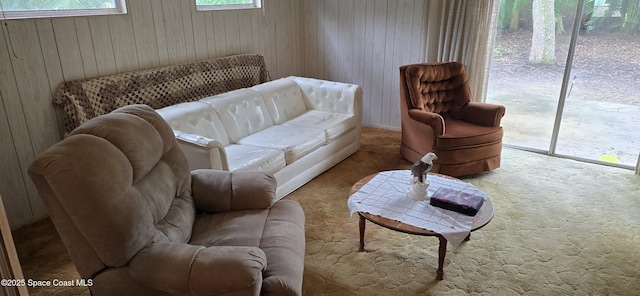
{"type": "Point", "coordinates": [294, 127]}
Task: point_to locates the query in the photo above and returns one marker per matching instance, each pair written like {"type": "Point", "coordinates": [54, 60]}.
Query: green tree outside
{"type": "Point", "coordinates": [222, 2]}
{"type": "Point", "coordinates": [27, 5]}
{"type": "Point", "coordinates": [623, 15]}
{"type": "Point", "coordinates": [547, 18]}
{"type": "Point", "coordinates": [22, 5]}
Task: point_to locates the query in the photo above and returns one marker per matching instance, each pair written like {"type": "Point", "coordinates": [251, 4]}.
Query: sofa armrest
{"type": "Point", "coordinates": [222, 191]}
{"type": "Point", "coordinates": [434, 120]}
{"type": "Point", "coordinates": [331, 96]}
{"type": "Point", "coordinates": [202, 152]}
{"type": "Point", "coordinates": [484, 114]}
{"type": "Point", "coordinates": [195, 270]}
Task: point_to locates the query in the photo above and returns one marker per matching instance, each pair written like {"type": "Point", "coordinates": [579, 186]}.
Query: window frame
{"type": "Point", "coordinates": [121, 8]}
{"type": "Point", "coordinates": [256, 4]}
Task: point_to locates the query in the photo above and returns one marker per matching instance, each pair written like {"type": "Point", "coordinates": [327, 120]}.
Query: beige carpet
{"type": "Point", "coordinates": [561, 227]}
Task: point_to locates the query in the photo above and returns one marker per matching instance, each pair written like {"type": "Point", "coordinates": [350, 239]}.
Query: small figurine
{"type": "Point", "coordinates": [419, 172]}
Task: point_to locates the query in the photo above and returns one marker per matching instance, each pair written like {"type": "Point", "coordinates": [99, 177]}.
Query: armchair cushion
{"type": "Point", "coordinates": [460, 134]}
{"type": "Point", "coordinates": [278, 231]}
{"type": "Point", "coordinates": [189, 269]}
{"type": "Point", "coordinates": [438, 90]}
{"type": "Point", "coordinates": [224, 191]}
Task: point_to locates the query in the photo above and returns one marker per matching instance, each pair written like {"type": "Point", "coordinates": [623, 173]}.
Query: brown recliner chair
{"type": "Point", "coordinates": [136, 221]}
{"type": "Point", "coordinates": [438, 116]}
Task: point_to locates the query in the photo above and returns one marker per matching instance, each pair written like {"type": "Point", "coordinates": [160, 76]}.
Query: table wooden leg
{"type": "Point", "coordinates": [442, 251]}
{"type": "Point", "coordinates": [362, 224]}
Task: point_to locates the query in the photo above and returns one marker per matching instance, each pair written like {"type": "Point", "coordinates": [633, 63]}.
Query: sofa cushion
{"type": "Point", "coordinates": [295, 142]}
{"type": "Point", "coordinates": [250, 158]}
{"type": "Point", "coordinates": [283, 99]}
{"type": "Point", "coordinates": [241, 111]}
{"type": "Point", "coordinates": [197, 118]}
{"type": "Point", "coordinates": [333, 124]}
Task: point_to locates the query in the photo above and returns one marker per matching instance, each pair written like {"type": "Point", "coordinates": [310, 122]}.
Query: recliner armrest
{"type": "Point", "coordinates": [429, 118]}
{"type": "Point", "coordinates": [195, 270]}
{"type": "Point", "coordinates": [484, 114]}
{"type": "Point", "coordinates": [216, 191]}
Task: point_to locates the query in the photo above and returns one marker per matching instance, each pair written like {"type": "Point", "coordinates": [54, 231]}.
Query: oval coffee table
{"type": "Point", "coordinates": [480, 220]}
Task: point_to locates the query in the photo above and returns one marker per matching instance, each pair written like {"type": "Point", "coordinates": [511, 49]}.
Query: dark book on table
{"type": "Point", "coordinates": [456, 200]}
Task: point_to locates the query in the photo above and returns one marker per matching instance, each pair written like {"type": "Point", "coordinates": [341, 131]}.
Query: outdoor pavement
{"type": "Point", "coordinates": [600, 131]}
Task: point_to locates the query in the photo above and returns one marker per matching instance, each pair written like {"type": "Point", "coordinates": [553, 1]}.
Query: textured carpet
{"type": "Point", "coordinates": [561, 227]}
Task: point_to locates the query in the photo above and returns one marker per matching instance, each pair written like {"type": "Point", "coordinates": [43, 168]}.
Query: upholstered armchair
{"type": "Point", "coordinates": [136, 221]}
{"type": "Point", "coordinates": [438, 116]}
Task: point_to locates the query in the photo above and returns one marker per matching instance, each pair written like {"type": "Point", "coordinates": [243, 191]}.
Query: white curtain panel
{"type": "Point", "coordinates": [463, 31]}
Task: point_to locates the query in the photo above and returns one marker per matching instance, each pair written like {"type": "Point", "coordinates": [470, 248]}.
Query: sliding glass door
{"type": "Point", "coordinates": [583, 100]}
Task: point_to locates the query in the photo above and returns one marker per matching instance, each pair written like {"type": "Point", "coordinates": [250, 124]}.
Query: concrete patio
{"type": "Point", "coordinates": [593, 130]}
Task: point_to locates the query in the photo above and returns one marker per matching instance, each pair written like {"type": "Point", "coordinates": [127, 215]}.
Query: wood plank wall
{"type": "Point", "coordinates": [37, 55]}
{"type": "Point", "coordinates": [356, 41]}
{"type": "Point", "coordinates": [365, 42]}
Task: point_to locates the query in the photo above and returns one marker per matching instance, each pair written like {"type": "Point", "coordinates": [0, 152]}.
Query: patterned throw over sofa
{"type": "Point", "coordinates": [158, 87]}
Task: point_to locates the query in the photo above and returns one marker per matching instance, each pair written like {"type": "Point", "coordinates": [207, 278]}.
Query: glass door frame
{"type": "Point", "coordinates": [562, 99]}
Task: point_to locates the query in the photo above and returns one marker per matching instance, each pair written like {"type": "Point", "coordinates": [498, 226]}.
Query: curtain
{"type": "Point", "coordinates": [463, 31]}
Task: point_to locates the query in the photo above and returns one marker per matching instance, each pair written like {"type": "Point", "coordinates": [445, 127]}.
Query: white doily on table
{"type": "Point", "coordinates": [386, 195]}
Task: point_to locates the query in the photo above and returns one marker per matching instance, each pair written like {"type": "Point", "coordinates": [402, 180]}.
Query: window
{"type": "Point", "coordinates": [19, 9]}
{"type": "Point", "coordinates": [227, 4]}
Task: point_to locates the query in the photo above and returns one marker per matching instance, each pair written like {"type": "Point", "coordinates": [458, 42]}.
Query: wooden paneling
{"type": "Point", "coordinates": [364, 42]}
{"type": "Point", "coordinates": [85, 46]}
{"type": "Point", "coordinates": [124, 43]}
{"type": "Point", "coordinates": [12, 134]}
{"type": "Point", "coordinates": [142, 15]}
{"type": "Point", "coordinates": [102, 45]}
{"type": "Point", "coordinates": [187, 30]}
{"type": "Point", "coordinates": [36, 56]}
{"type": "Point", "coordinates": [67, 42]}
{"type": "Point", "coordinates": [199, 30]}
{"type": "Point", "coordinates": [174, 31]}
{"type": "Point", "coordinates": [355, 41]}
